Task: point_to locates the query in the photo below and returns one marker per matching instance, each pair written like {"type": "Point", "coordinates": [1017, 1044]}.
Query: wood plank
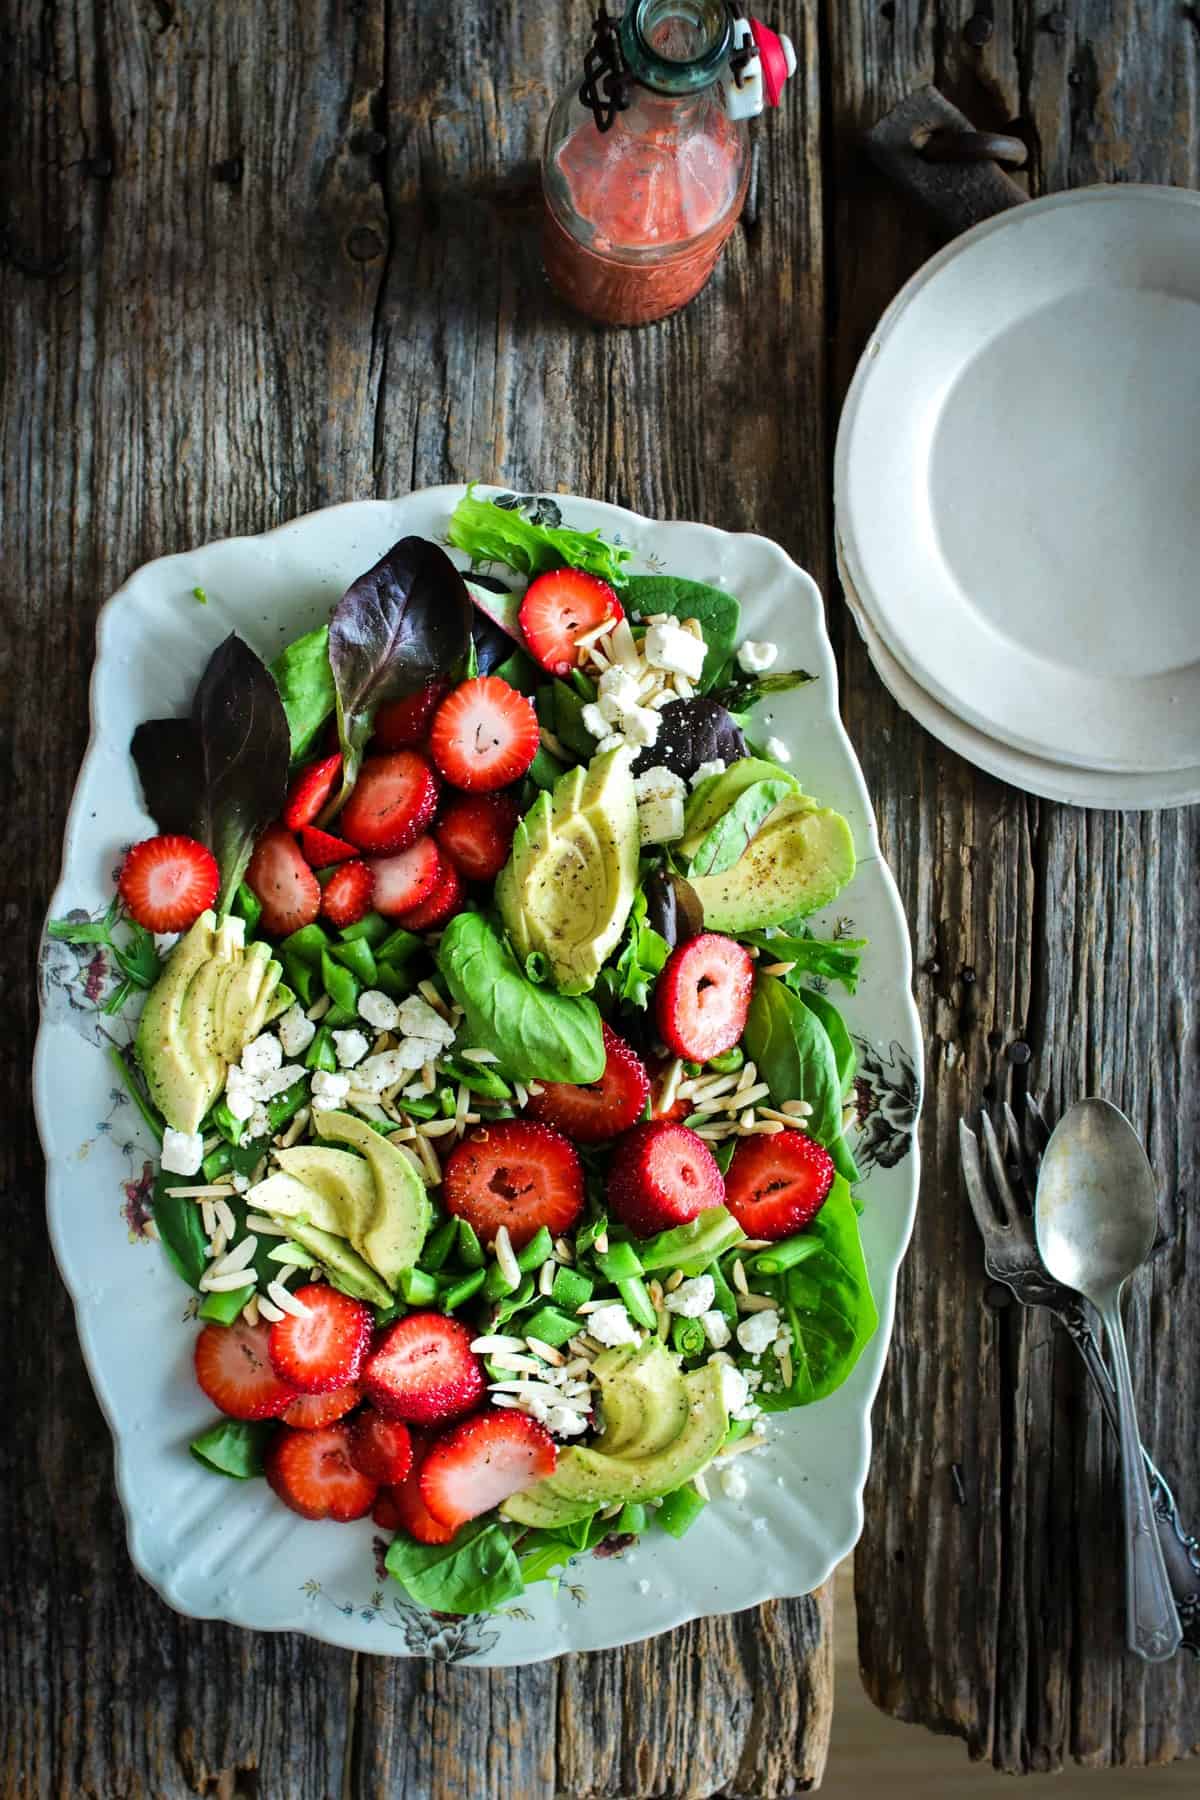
{"type": "Point", "coordinates": [999, 1618]}
{"type": "Point", "coordinates": [254, 265]}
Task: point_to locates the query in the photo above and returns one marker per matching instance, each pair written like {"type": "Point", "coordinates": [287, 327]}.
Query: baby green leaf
{"type": "Point", "coordinates": [476, 1571]}
{"type": "Point", "coordinates": [537, 1034]}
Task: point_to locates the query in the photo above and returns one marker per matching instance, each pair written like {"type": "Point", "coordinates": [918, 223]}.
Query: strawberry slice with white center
{"type": "Point", "coordinates": [662, 1175]}
{"type": "Point", "coordinates": [559, 608]}
{"type": "Point", "coordinates": [233, 1366]}
{"type": "Point", "coordinates": [448, 897]}
{"type": "Point", "coordinates": [393, 802]}
{"type": "Point", "coordinates": [310, 790]}
{"type": "Point", "coordinates": [323, 1347]}
{"type": "Point", "coordinates": [312, 1473]}
{"type": "Point", "coordinates": [346, 896]}
{"type": "Point", "coordinates": [777, 1185]}
{"type": "Point", "coordinates": [592, 1111]}
{"type": "Point", "coordinates": [309, 1411]}
{"type": "Point", "coordinates": [289, 891]}
{"type": "Point", "coordinates": [703, 996]}
{"type": "Point", "coordinates": [479, 1463]}
{"type": "Point", "coordinates": [381, 1448]}
{"type": "Point", "coordinates": [166, 882]}
{"type": "Point", "coordinates": [403, 724]}
{"type": "Point", "coordinates": [423, 1370]}
{"type": "Point", "coordinates": [484, 735]}
{"type": "Point", "coordinates": [476, 833]}
{"type": "Point", "coordinates": [406, 879]}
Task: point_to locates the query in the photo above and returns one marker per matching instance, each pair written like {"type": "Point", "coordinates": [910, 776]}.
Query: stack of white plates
{"type": "Point", "coordinates": [1017, 489]}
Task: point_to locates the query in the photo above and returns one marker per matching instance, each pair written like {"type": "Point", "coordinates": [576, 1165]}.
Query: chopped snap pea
{"type": "Point", "coordinates": [199, 595]}
{"type": "Point", "coordinates": [223, 1309]}
{"type": "Point", "coordinates": [497, 1284]}
{"type": "Point", "coordinates": [692, 1069]}
{"type": "Point", "coordinates": [585, 688]}
{"type": "Point", "coordinates": [247, 905]}
{"type": "Point", "coordinates": [418, 1287]}
{"type": "Point", "coordinates": [419, 1109]}
{"type": "Point", "coordinates": [340, 1018]}
{"type": "Point", "coordinates": [321, 1053]}
{"type": "Point", "coordinates": [688, 1336]}
{"type": "Point", "coordinates": [462, 1290]}
{"type": "Point", "coordinates": [477, 1079]}
{"type": "Point", "coordinates": [729, 1061]}
{"type": "Point", "coordinates": [551, 1326]}
{"type": "Point", "coordinates": [306, 944]}
{"type": "Point", "coordinates": [285, 1106]}
{"type": "Point", "coordinates": [786, 1254]}
{"type": "Point", "coordinates": [724, 1299]}
{"type": "Point", "coordinates": [571, 1290]}
{"type": "Point", "coordinates": [620, 1262]}
{"type": "Point", "coordinates": [397, 947]}
{"type": "Point", "coordinates": [217, 1162]}
{"type": "Point", "coordinates": [301, 977]}
{"type": "Point", "coordinates": [222, 1120]}
{"type": "Point", "coordinates": [470, 1249]}
{"type": "Point", "coordinates": [512, 1303]}
{"type": "Point", "coordinates": [372, 929]}
{"type": "Point", "coordinates": [587, 1234]}
{"type": "Point", "coordinates": [358, 958]}
{"type": "Point", "coordinates": [438, 1246]}
{"type": "Point", "coordinates": [545, 769]}
{"type": "Point", "coordinates": [539, 1248]}
{"type": "Point", "coordinates": [737, 1429]}
{"type": "Point", "coordinates": [680, 1510]}
{"type": "Point", "coordinates": [339, 984]}
{"type": "Point", "coordinates": [631, 1519]}
{"type": "Point", "coordinates": [638, 1303]}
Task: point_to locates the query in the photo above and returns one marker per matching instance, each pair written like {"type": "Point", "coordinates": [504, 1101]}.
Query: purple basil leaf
{"type": "Point", "coordinates": [692, 732]}
{"type": "Point", "coordinates": [673, 907]}
{"type": "Point", "coordinates": [404, 623]}
{"type": "Point", "coordinates": [221, 775]}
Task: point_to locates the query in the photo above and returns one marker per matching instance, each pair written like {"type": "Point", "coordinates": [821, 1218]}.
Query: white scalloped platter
{"type": "Point", "coordinates": [227, 1550]}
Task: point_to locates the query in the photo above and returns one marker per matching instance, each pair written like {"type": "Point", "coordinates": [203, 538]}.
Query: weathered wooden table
{"type": "Point", "coordinates": [256, 259]}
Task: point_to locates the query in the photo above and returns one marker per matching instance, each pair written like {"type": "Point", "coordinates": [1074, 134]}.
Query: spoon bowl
{"type": "Point", "coordinates": [1096, 1214]}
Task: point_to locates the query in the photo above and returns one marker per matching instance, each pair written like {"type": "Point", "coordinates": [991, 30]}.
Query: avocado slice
{"type": "Point", "coordinates": [283, 1198]}
{"type": "Point", "coordinates": [717, 793]}
{"type": "Point", "coordinates": [239, 999]}
{"type": "Point", "coordinates": [162, 1049]}
{"type": "Point", "coordinates": [587, 1478]}
{"type": "Point", "coordinates": [343, 1181]}
{"type": "Point", "coordinates": [570, 881]}
{"type": "Point", "coordinates": [800, 861]}
{"type": "Point", "coordinates": [343, 1265]}
{"type": "Point", "coordinates": [399, 1222]}
{"type": "Point", "coordinates": [645, 1402]}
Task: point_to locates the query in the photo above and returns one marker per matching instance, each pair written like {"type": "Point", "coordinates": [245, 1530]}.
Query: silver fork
{"type": "Point", "coordinates": [1002, 1201]}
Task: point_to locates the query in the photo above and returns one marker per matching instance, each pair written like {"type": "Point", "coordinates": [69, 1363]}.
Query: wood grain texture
{"type": "Point", "coordinates": [255, 260]}
{"type": "Point", "coordinates": [999, 1618]}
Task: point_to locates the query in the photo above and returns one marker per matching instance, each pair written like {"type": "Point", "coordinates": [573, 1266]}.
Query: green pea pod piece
{"type": "Point", "coordinates": [680, 1510]}
{"type": "Point", "coordinates": [358, 958]}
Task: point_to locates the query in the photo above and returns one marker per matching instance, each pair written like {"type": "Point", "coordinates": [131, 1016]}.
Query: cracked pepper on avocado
{"type": "Point", "coordinates": [500, 1095]}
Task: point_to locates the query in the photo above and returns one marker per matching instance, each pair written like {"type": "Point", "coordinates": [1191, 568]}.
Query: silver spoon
{"type": "Point", "coordinates": [1096, 1216]}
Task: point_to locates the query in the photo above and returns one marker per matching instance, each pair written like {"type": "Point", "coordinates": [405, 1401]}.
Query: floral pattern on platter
{"type": "Point", "coordinates": [889, 1099]}
{"type": "Point", "coordinates": [76, 980]}
{"type": "Point", "coordinates": [440, 1637]}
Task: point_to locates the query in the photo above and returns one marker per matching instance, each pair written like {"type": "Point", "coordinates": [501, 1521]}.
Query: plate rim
{"type": "Point", "coordinates": [847, 541]}
{"type": "Point", "coordinates": [325, 1628]}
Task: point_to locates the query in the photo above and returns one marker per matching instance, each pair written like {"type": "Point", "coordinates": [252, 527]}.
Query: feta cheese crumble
{"type": "Point", "coordinates": [758, 1330]}
{"type": "Point", "coordinates": [754, 658]}
{"type": "Point", "coordinates": [716, 1329]}
{"type": "Point", "coordinates": [715, 767]}
{"type": "Point", "coordinates": [417, 1019]}
{"type": "Point", "coordinates": [182, 1151]}
{"type": "Point", "coordinates": [670, 647]}
{"type": "Point", "coordinates": [734, 1485]}
{"type": "Point", "coordinates": [328, 1091]}
{"type": "Point", "coordinates": [262, 1057]}
{"type": "Point", "coordinates": [691, 1298]}
{"type": "Point", "coordinates": [640, 726]}
{"type": "Point", "coordinates": [296, 1030]}
{"type": "Point", "coordinates": [777, 750]}
{"type": "Point", "coordinates": [350, 1047]}
{"type": "Point", "coordinates": [593, 720]}
{"type": "Point", "coordinates": [378, 1009]}
{"type": "Point", "coordinates": [660, 819]}
{"type": "Point", "coordinates": [612, 1325]}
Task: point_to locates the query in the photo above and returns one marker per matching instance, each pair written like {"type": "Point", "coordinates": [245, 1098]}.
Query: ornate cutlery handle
{"type": "Point", "coordinates": [1180, 1548]}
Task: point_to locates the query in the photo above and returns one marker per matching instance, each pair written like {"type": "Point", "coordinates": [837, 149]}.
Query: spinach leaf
{"type": "Point", "coordinates": [828, 1304]}
{"type": "Point", "coordinates": [740, 692]}
{"type": "Point", "coordinates": [234, 1447]}
{"type": "Point", "coordinates": [560, 711]}
{"type": "Point", "coordinates": [718, 613]}
{"type": "Point", "coordinates": [692, 732]}
{"type": "Point", "coordinates": [496, 625]}
{"type": "Point", "coordinates": [640, 960]}
{"type": "Point", "coordinates": [536, 1034]}
{"type": "Point", "coordinates": [835, 959]}
{"type": "Point", "coordinates": [399, 626]}
{"type": "Point", "coordinates": [221, 775]}
{"type": "Point", "coordinates": [839, 1037]}
{"type": "Point", "coordinates": [180, 1230]}
{"type": "Point", "coordinates": [544, 1557]}
{"type": "Point", "coordinates": [725, 841]}
{"type": "Point", "coordinates": [305, 682]}
{"type": "Point", "coordinates": [476, 1571]}
{"type": "Point", "coordinates": [490, 533]}
{"type": "Point", "coordinates": [794, 1056]}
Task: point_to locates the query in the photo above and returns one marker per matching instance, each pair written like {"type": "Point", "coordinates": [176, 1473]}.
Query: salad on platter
{"type": "Point", "coordinates": [501, 1130]}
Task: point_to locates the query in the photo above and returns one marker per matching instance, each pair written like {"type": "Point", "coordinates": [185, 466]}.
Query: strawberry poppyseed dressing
{"type": "Point", "coordinates": [644, 176]}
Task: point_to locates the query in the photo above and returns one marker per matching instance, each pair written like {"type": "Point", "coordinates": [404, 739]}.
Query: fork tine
{"type": "Point", "coordinates": [1020, 1152]}
{"type": "Point", "coordinates": [976, 1184]}
{"type": "Point", "coordinates": [1006, 1201]}
{"type": "Point", "coordinates": [1037, 1132]}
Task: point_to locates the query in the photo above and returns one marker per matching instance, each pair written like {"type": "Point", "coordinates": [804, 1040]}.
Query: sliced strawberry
{"type": "Point", "coordinates": [381, 1448]}
{"type": "Point", "coordinates": [312, 1473]}
{"type": "Point", "coordinates": [777, 1185]}
{"type": "Point", "coordinates": [393, 802]}
{"type": "Point", "coordinates": [321, 848]}
{"type": "Point", "coordinates": [448, 897]}
{"type": "Point", "coordinates": [408, 1508]}
{"type": "Point", "coordinates": [484, 735]}
{"type": "Point", "coordinates": [599, 1109]}
{"type": "Point", "coordinates": [517, 1173]}
{"type": "Point", "coordinates": [278, 874]}
{"type": "Point", "coordinates": [479, 1463]}
{"type": "Point", "coordinates": [423, 1370]}
{"type": "Point", "coordinates": [346, 896]}
{"type": "Point", "coordinates": [560, 607]}
{"type": "Point", "coordinates": [308, 1411]}
{"type": "Point", "coordinates": [406, 879]}
{"type": "Point", "coordinates": [703, 996]}
{"type": "Point", "coordinates": [402, 724]}
{"type": "Point", "coordinates": [476, 833]}
{"type": "Point", "coordinates": [233, 1366]}
{"type": "Point", "coordinates": [166, 882]}
{"type": "Point", "coordinates": [660, 1175]}
{"type": "Point", "coordinates": [310, 790]}
{"type": "Point", "coordinates": [325, 1346]}
{"type": "Point", "coordinates": [385, 1512]}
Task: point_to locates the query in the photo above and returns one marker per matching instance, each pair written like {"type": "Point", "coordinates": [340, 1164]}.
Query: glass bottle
{"type": "Point", "coordinates": [645, 167]}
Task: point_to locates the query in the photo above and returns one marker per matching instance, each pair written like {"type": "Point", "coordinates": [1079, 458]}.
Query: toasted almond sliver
{"type": "Point", "coordinates": [761, 1128]}
{"type": "Point", "coordinates": [546, 1276]}
{"type": "Point", "coordinates": [779, 968]}
{"type": "Point", "coordinates": [506, 1257]}
{"type": "Point", "coordinates": [430, 994]}
{"type": "Point", "coordinates": [739, 1276]}
{"type": "Point", "coordinates": [288, 1302]}
{"type": "Point", "coordinates": [752, 1303]}
{"type": "Point", "coordinates": [753, 1440]}
{"type": "Point", "coordinates": [319, 1008]}
{"type": "Point", "coordinates": [547, 1352]}
{"type": "Point", "coordinates": [208, 1218]}
{"type": "Point", "coordinates": [600, 1242]}
{"type": "Point", "coordinates": [296, 1129]}
{"type": "Point", "coordinates": [436, 1128]}
{"type": "Point", "coordinates": [229, 1282]}
{"type": "Point", "coordinates": [237, 1258]}
{"type": "Point", "coordinates": [785, 1369]}
{"type": "Point", "coordinates": [748, 1244]}
{"type": "Point", "coordinates": [217, 1191]}
{"type": "Point", "coordinates": [701, 1487]}
{"type": "Point", "coordinates": [535, 1087]}
{"type": "Point", "coordinates": [673, 1280]}
{"type": "Point", "coordinates": [480, 1056]}
{"type": "Point", "coordinates": [269, 1311]}
{"type": "Point", "coordinates": [563, 1250]}
{"type": "Point", "coordinates": [496, 1340]}
{"type": "Point", "coordinates": [554, 745]}
{"type": "Point", "coordinates": [517, 1361]}
{"type": "Point", "coordinates": [225, 1219]}
{"type": "Point", "coordinates": [250, 1310]}
{"type": "Point", "coordinates": [263, 1226]}
{"type": "Point", "coordinates": [799, 1109]}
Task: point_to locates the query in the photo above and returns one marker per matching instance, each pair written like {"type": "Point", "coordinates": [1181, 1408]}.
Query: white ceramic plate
{"type": "Point", "coordinates": [1053, 781]}
{"type": "Point", "coordinates": [218, 1549]}
{"type": "Point", "coordinates": [1017, 473]}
